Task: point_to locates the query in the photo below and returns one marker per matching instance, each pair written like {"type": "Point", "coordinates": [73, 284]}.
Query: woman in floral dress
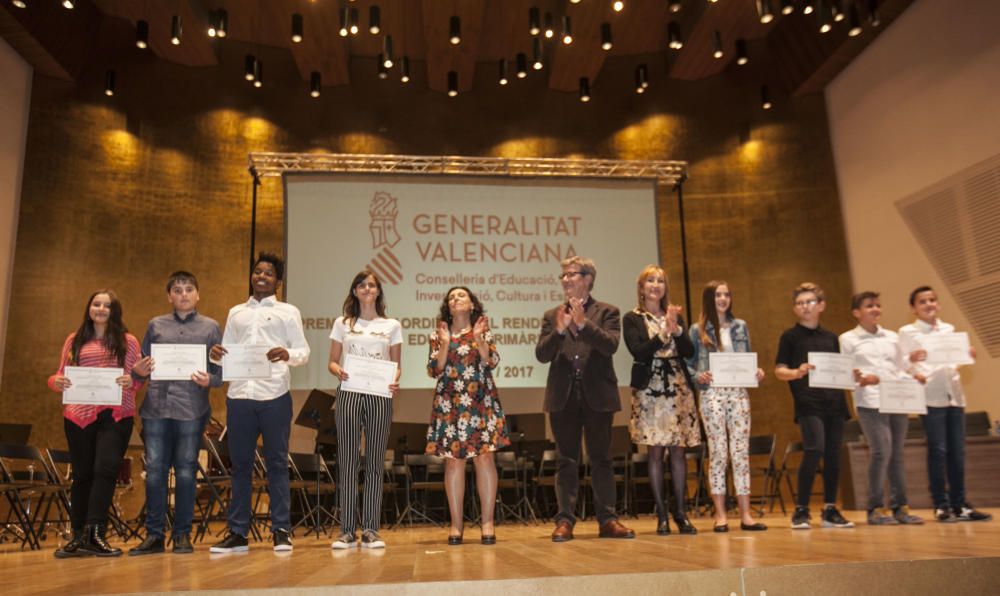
{"type": "Point", "coordinates": [467, 421]}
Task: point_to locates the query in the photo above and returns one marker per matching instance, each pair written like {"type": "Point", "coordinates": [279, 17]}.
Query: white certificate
{"type": "Point", "coordinates": [947, 349]}
{"type": "Point", "coordinates": [245, 362]}
{"type": "Point", "coordinates": [177, 362]}
{"type": "Point", "coordinates": [733, 369]}
{"type": "Point", "coordinates": [904, 396]}
{"type": "Point", "coordinates": [93, 386]}
{"type": "Point", "coordinates": [368, 375]}
{"type": "Point", "coordinates": [833, 370]}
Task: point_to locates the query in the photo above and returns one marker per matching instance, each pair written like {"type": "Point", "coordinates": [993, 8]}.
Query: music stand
{"type": "Point", "coordinates": [318, 414]}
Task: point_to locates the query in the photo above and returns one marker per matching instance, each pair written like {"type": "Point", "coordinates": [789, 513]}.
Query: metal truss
{"type": "Point", "coordinates": [268, 165]}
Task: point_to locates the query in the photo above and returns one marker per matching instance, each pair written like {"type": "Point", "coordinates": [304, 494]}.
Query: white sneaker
{"type": "Point", "coordinates": [344, 541]}
{"type": "Point", "coordinates": [371, 539]}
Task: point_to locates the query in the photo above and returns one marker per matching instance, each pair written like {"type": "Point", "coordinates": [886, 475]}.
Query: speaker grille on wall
{"type": "Point", "coordinates": [957, 223]}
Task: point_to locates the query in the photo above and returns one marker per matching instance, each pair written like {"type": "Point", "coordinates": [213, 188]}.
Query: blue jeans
{"type": "Point", "coordinates": [171, 443]}
{"type": "Point", "coordinates": [945, 428]}
{"type": "Point", "coordinates": [247, 419]}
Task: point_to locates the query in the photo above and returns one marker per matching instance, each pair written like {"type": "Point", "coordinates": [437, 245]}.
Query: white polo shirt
{"type": "Point", "coordinates": [944, 386]}
{"type": "Point", "coordinates": [874, 354]}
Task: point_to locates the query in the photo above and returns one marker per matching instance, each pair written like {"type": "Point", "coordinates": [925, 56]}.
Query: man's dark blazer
{"type": "Point", "coordinates": [595, 344]}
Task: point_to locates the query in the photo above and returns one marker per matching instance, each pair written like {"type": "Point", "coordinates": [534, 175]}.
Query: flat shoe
{"type": "Point", "coordinates": [454, 540]}
{"type": "Point", "coordinates": [754, 527]}
{"type": "Point", "coordinates": [721, 528]}
{"type": "Point", "coordinates": [488, 539]}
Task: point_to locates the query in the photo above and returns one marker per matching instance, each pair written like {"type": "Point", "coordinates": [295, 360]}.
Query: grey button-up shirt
{"type": "Point", "coordinates": [180, 400]}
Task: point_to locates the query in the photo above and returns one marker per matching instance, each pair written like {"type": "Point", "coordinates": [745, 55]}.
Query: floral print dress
{"type": "Point", "coordinates": [466, 418]}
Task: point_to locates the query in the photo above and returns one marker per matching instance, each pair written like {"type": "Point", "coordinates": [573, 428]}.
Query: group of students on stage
{"type": "Point", "coordinates": [671, 366]}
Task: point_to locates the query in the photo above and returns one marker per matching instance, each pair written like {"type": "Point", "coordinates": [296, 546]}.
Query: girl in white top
{"type": "Point", "coordinates": [363, 330]}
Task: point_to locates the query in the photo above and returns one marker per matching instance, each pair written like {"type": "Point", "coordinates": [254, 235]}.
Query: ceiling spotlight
{"type": "Point", "coordinates": [807, 6]}
{"type": "Point", "coordinates": [455, 31]}
{"type": "Point", "coordinates": [534, 21]}
{"type": "Point", "coordinates": [765, 98]}
{"type": "Point", "coordinates": [567, 30]}
{"type": "Point", "coordinates": [522, 65]}
{"type": "Point", "coordinates": [258, 74]}
{"type": "Point", "coordinates": [854, 21]}
{"type": "Point", "coordinates": [404, 69]}
{"type": "Point", "coordinates": [296, 28]}
{"type": "Point", "coordinates": [787, 7]}
{"type": "Point", "coordinates": [873, 16]}
{"type": "Point", "coordinates": [606, 42]}
{"type": "Point", "coordinates": [345, 19]}
{"type": "Point", "coordinates": [175, 30]}
{"type": "Point", "coordinates": [537, 54]}
{"type": "Point", "coordinates": [641, 78]}
{"type": "Point", "coordinates": [374, 20]}
{"type": "Point", "coordinates": [718, 53]}
{"type": "Point", "coordinates": [109, 83]}
{"type": "Point", "coordinates": [19, 3]}
{"type": "Point", "coordinates": [387, 51]}
{"type": "Point", "coordinates": [315, 84]}
{"type": "Point", "coordinates": [221, 22]}
{"type": "Point", "coordinates": [674, 36]}
{"type": "Point", "coordinates": [452, 83]}
{"type": "Point", "coordinates": [383, 72]}
{"type": "Point", "coordinates": [212, 30]}
{"type": "Point", "coordinates": [502, 76]}
{"type": "Point", "coordinates": [837, 10]}
{"type": "Point", "coordinates": [249, 67]}
{"type": "Point", "coordinates": [824, 16]}
{"type": "Point", "coordinates": [550, 30]}
{"type": "Point", "coordinates": [764, 11]}
{"type": "Point", "coordinates": [141, 35]}
{"type": "Point", "coordinates": [618, 5]}
{"type": "Point", "coordinates": [674, 5]}
{"type": "Point", "coordinates": [68, 4]}
{"type": "Point", "coordinates": [741, 52]}
{"type": "Point", "coordinates": [584, 89]}
{"type": "Point", "coordinates": [352, 20]}
{"type": "Point", "coordinates": [574, 1]}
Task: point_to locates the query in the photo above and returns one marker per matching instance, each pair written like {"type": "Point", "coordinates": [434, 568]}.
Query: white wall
{"type": "Point", "coordinates": [919, 104]}
{"type": "Point", "coordinates": [15, 94]}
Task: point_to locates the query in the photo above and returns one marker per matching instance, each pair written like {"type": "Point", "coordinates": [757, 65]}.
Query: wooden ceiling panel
{"type": "Point", "coordinates": [441, 55]}
{"type": "Point", "coordinates": [55, 41]}
{"type": "Point", "coordinates": [195, 48]}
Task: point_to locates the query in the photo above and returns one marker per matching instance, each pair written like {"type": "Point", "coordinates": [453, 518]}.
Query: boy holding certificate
{"type": "Point", "coordinates": [175, 409]}
{"type": "Point", "coordinates": [877, 360]}
{"type": "Point", "coordinates": [819, 412]}
{"type": "Point", "coordinates": [944, 422]}
{"type": "Point", "coordinates": [259, 403]}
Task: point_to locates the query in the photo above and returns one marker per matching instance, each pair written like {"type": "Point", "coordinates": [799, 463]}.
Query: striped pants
{"type": "Point", "coordinates": [372, 415]}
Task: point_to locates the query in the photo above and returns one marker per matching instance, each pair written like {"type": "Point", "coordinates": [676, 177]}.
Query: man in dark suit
{"type": "Point", "coordinates": [578, 339]}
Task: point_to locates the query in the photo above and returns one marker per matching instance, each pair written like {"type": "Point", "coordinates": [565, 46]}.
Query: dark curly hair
{"type": "Point", "coordinates": [477, 307]}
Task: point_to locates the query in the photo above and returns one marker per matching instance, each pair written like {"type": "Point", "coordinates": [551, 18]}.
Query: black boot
{"type": "Point", "coordinates": [684, 525]}
{"type": "Point", "coordinates": [662, 524]}
{"type": "Point", "coordinates": [74, 548]}
{"type": "Point", "coordinates": [96, 544]}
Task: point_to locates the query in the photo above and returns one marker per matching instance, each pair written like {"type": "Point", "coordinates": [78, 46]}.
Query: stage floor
{"type": "Point", "coordinates": [418, 561]}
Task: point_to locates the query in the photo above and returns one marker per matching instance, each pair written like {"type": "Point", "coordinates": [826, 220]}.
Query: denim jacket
{"type": "Point", "coordinates": [698, 363]}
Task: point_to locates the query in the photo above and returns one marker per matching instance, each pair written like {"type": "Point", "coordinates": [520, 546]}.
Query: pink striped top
{"type": "Point", "coordinates": [93, 353]}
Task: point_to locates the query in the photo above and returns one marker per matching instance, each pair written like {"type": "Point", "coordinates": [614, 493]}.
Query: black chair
{"type": "Point", "coordinates": [787, 470]}
{"type": "Point", "coordinates": [26, 487]}
{"type": "Point", "coordinates": [977, 424]}
{"type": "Point", "coordinates": [761, 451]}
{"type": "Point", "coordinates": [311, 480]}
{"type": "Point", "coordinates": [702, 500]}
{"type": "Point", "coordinates": [545, 482]}
{"type": "Point", "coordinates": [512, 476]}
{"type": "Point", "coordinates": [423, 475]}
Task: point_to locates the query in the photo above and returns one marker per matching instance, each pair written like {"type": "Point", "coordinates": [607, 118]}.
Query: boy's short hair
{"type": "Point", "coordinates": [858, 299]}
{"type": "Point", "coordinates": [277, 262]}
{"type": "Point", "coordinates": [808, 286]}
{"type": "Point", "coordinates": [181, 277]}
{"type": "Point", "coordinates": [917, 292]}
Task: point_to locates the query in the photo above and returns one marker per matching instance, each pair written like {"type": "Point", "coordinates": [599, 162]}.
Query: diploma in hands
{"type": "Point", "coordinates": [368, 375]}
{"type": "Point", "coordinates": [833, 370]}
{"type": "Point", "coordinates": [245, 362]}
{"type": "Point", "coordinates": [904, 396]}
{"type": "Point", "coordinates": [946, 349]}
{"type": "Point", "coordinates": [177, 362]}
{"type": "Point", "coordinates": [93, 386]}
{"type": "Point", "coordinates": [733, 369]}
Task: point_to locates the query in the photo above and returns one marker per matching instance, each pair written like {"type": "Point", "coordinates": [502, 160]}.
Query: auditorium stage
{"type": "Point", "coordinates": [934, 558]}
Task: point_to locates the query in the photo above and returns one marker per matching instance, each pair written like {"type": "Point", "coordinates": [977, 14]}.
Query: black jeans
{"type": "Point", "coordinates": [567, 426]}
{"type": "Point", "coordinates": [96, 454]}
{"type": "Point", "coordinates": [821, 439]}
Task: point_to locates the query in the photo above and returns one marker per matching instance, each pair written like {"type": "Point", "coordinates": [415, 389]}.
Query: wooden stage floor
{"type": "Point", "coordinates": [962, 558]}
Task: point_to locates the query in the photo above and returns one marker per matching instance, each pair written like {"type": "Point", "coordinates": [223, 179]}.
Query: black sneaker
{"type": "Point", "coordinates": [800, 519]}
{"type": "Point", "coordinates": [833, 519]}
{"type": "Point", "coordinates": [232, 543]}
{"type": "Point", "coordinates": [150, 546]}
{"type": "Point", "coordinates": [945, 516]}
{"type": "Point", "coordinates": [282, 541]}
{"type": "Point", "coordinates": [967, 513]}
{"type": "Point", "coordinates": [182, 544]}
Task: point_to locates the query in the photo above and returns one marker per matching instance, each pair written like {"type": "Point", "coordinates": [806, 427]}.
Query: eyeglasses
{"type": "Point", "coordinates": [810, 302]}
{"type": "Point", "coordinates": [570, 274]}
